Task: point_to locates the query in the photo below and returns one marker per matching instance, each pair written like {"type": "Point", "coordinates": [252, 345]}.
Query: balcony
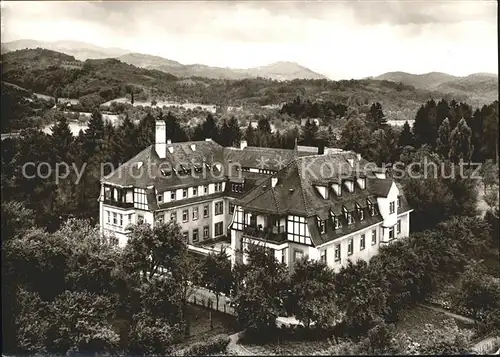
{"type": "Point", "coordinates": [119, 204]}
{"type": "Point", "coordinates": [273, 234]}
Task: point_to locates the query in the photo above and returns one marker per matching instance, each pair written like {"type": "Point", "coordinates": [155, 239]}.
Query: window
{"type": "Point", "coordinates": [323, 256]}
{"type": "Point", "coordinates": [392, 207]}
{"type": "Point", "coordinates": [350, 220]}
{"type": "Point", "coordinates": [185, 215]}
{"type": "Point", "coordinates": [195, 213]}
{"type": "Point", "coordinates": [130, 218]}
{"type": "Point", "coordinates": [337, 252]}
{"type": "Point", "coordinates": [218, 229]}
{"type": "Point", "coordinates": [336, 222]}
{"type": "Point", "coordinates": [350, 247]}
{"type": "Point", "coordinates": [398, 229]}
{"type": "Point", "coordinates": [297, 255]}
{"type": "Point", "coordinates": [219, 208]}
{"type": "Point", "coordinates": [195, 191]}
{"type": "Point", "coordinates": [140, 200]}
{"type": "Point", "coordinates": [173, 216]}
{"type": "Point", "coordinates": [185, 236]}
{"type": "Point", "coordinates": [391, 233]}
{"type": "Point", "coordinates": [205, 189]}
{"type": "Point", "coordinates": [205, 211]}
{"type": "Point", "coordinates": [321, 226]}
{"type": "Point", "coordinates": [160, 218]}
{"type": "Point", "coordinates": [121, 219]}
{"type": "Point", "coordinates": [297, 229]}
{"type": "Point", "coordinates": [362, 242]}
{"type": "Point", "coordinates": [115, 218]}
{"type": "Point", "coordinates": [172, 195]}
{"type": "Point", "coordinates": [374, 237]}
{"type": "Point", "coordinates": [160, 197]}
{"type": "Point", "coordinates": [283, 255]}
{"type": "Point", "coordinates": [195, 235]}
{"type": "Point", "coordinates": [109, 216]}
{"type": "Point", "coordinates": [361, 214]}
{"type": "Point", "coordinates": [140, 218]}
{"type": "Point", "coordinates": [113, 241]}
{"type": "Point", "coordinates": [184, 193]}
{"type": "Point", "coordinates": [218, 187]}
{"type": "Point", "coordinates": [371, 208]}
{"type": "Point", "coordinates": [231, 208]}
{"type": "Point", "coordinates": [206, 231]}
{"type": "Point", "coordinates": [399, 201]}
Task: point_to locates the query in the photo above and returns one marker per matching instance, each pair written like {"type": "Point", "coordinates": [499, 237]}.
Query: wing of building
{"type": "Point", "coordinates": [333, 206]}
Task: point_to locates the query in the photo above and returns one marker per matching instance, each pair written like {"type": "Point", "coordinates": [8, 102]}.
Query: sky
{"type": "Point", "coordinates": [339, 39]}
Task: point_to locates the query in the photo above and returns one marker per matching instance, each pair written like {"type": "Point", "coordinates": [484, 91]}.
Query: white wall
{"type": "Point", "coordinates": [384, 209]}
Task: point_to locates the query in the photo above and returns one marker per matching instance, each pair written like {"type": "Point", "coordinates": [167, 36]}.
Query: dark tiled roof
{"type": "Point", "coordinates": [189, 201]}
{"type": "Point", "coordinates": [379, 187]}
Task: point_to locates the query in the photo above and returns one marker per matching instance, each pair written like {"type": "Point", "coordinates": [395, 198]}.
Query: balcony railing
{"type": "Point", "coordinates": [276, 234]}
{"type": "Point", "coordinates": [118, 203]}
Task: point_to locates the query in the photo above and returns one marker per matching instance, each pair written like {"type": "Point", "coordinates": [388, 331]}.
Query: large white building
{"type": "Point", "coordinates": [333, 207]}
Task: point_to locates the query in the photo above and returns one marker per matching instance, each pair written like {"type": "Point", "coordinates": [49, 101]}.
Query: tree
{"type": "Point", "coordinates": [460, 142]}
{"type": "Point", "coordinates": [62, 140]}
{"type": "Point", "coordinates": [382, 146]}
{"type": "Point", "coordinates": [375, 116]}
{"type": "Point", "coordinates": [261, 285]}
{"type": "Point", "coordinates": [149, 249]}
{"type": "Point", "coordinates": [443, 139]}
{"type": "Point", "coordinates": [355, 136]}
{"type": "Point", "coordinates": [310, 133]}
{"type": "Point", "coordinates": [217, 274]}
{"type": "Point", "coordinates": [210, 129]}
{"type": "Point", "coordinates": [380, 338]}
{"type": "Point", "coordinates": [250, 134]}
{"type": "Point", "coordinates": [311, 294]}
{"type": "Point", "coordinates": [406, 136]}
{"type": "Point", "coordinates": [359, 297]}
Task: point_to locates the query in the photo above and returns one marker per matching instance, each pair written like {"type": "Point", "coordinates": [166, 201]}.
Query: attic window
{"type": "Point", "coordinates": [207, 166]}
{"type": "Point", "coordinates": [166, 173]}
{"type": "Point", "coordinates": [348, 216]}
{"type": "Point", "coordinates": [361, 182]}
{"type": "Point", "coordinates": [323, 191]}
{"type": "Point", "coordinates": [336, 220]}
{"type": "Point", "coordinates": [139, 164]}
{"type": "Point", "coordinates": [337, 189]}
{"type": "Point", "coordinates": [361, 213]}
{"type": "Point", "coordinates": [399, 201]}
{"type": "Point", "coordinates": [350, 185]}
{"type": "Point", "coordinates": [321, 225]}
{"type": "Point", "coordinates": [171, 149]}
{"type": "Point", "coordinates": [193, 147]}
{"type": "Point", "coordinates": [371, 208]}
{"type": "Point", "coordinates": [160, 197]}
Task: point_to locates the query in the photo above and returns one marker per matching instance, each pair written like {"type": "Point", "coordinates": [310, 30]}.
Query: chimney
{"type": "Point", "coordinates": [171, 149]}
{"type": "Point", "coordinates": [358, 156]}
{"type": "Point", "coordinates": [169, 141]}
{"type": "Point", "coordinates": [243, 144]}
{"type": "Point", "coordinates": [274, 181]}
{"type": "Point", "coordinates": [193, 147]}
{"type": "Point", "coordinates": [208, 139]}
{"type": "Point", "coordinates": [161, 138]}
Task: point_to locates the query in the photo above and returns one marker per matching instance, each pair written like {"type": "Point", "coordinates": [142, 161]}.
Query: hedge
{"type": "Point", "coordinates": [214, 345]}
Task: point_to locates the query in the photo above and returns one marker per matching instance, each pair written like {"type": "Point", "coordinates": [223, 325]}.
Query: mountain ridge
{"type": "Point", "coordinates": [82, 51]}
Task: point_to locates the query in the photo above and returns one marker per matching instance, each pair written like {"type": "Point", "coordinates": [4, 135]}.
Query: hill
{"type": "Point", "coordinates": [277, 71]}
{"type": "Point", "coordinates": [481, 87]}
{"type": "Point", "coordinates": [94, 82]}
{"type": "Point", "coordinates": [80, 50]}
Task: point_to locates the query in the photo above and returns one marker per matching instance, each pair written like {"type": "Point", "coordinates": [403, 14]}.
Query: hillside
{"type": "Point", "coordinates": [80, 50]}
{"type": "Point", "coordinates": [480, 87]}
{"type": "Point", "coordinates": [94, 82]}
{"type": "Point", "coordinates": [277, 71]}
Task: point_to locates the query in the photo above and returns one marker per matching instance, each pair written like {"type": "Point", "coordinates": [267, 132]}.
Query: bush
{"type": "Point", "coordinates": [216, 344]}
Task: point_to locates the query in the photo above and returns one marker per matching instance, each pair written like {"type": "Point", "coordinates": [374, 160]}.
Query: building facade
{"type": "Point", "coordinates": [332, 207]}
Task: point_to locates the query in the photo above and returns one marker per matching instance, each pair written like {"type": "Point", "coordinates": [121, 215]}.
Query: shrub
{"type": "Point", "coordinates": [214, 345]}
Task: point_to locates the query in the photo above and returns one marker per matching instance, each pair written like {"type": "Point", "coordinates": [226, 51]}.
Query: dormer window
{"type": "Point", "coordinates": [399, 201]}
{"type": "Point", "coordinates": [160, 197]}
{"type": "Point", "coordinates": [361, 182]}
{"type": "Point", "coordinates": [337, 189]}
{"type": "Point", "coordinates": [361, 213]}
{"type": "Point", "coordinates": [350, 185]}
{"type": "Point", "coordinates": [348, 216]}
{"type": "Point", "coordinates": [392, 207]}
{"type": "Point", "coordinates": [166, 173]}
{"type": "Point", "coordinates": [336, 221]}
{"type": "Point", "coordinates": [371, 208]}
{"type": "Point", "coordinates": [172, 195]}
{"type": "Point", "coordinates": [323, 191]}
{"type": "Point", "coordinates": [321, 226]}
{"type": "Point", "coordinates": [184, 193]}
